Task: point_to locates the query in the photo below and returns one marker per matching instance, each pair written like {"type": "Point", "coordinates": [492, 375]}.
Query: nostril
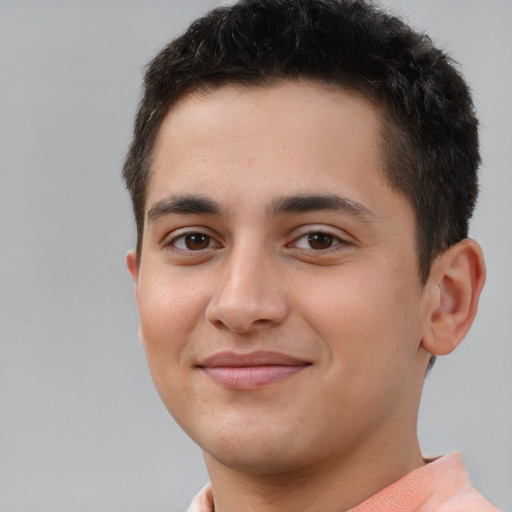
{"type": "Point", "coordinates": [262, 321]}
{"type": "Point", "coordinates": [242, 320]}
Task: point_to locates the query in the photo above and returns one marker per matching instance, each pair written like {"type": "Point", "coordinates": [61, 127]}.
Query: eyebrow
{"type": "Point", "coordinates": [188, 204]}
{"type": "Point", "coordinates": [302, 203]}
{"type": "Point", "coordinates": [314, 202]}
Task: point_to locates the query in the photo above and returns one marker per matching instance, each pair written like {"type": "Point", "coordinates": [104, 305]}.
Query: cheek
{"type": "Point", "coordinates": [168, 316]}
{"type": "Point", "coordinates": [340, 307]}
{"type": "Point", "coordinates": [369, 332]}
{"type": "Point", "coordinates": [167, 309]}
{"type": "Point", "coordinates": [365, 320]}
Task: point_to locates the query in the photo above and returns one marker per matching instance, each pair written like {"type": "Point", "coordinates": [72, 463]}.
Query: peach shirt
{"type": "Point", "coordinates": [441, 486]}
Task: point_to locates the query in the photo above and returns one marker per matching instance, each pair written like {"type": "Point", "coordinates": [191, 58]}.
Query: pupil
{"type": "Point", "coordinates": [320, 240]}
{"type": "Point", "coordinates": [196, 241]}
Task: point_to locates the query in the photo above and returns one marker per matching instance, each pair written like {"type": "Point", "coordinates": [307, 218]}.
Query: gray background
{"type": "Point", "coordinates": [81, 427]}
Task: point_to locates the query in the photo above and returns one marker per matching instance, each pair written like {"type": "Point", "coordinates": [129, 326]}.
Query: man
{"type": "Point", "coordinates": [302, 175]}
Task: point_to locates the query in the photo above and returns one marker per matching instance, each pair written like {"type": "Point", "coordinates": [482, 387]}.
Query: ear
{"type": "Point", "coordinates": [457, 278]}
{"type": "Point", "coordinates": [132, 264]}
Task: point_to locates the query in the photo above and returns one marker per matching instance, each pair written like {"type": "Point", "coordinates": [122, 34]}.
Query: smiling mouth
{"type": "Point", "coordinates": [251, 371]}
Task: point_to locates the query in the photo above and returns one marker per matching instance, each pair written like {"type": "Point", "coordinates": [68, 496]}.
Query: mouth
{"type": "Point", "coordinates": [251, 371]}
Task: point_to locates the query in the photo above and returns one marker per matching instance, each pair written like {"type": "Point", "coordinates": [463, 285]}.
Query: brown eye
{"type": "Point", "coordinates": [193, 242]}
{"type": "Point", "coordinates": [319, 241]}
{"type": "Point", "coordinates": [196, 241]}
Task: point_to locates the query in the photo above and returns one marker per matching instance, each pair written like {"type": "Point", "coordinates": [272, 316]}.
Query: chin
{"type": "Point", "coordinates": [251, 450]}
{"type": "Point", "coordinates": [259, 460]}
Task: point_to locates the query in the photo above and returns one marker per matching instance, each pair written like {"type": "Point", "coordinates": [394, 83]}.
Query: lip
{"type": "Point", "coordinates": [251, 371]}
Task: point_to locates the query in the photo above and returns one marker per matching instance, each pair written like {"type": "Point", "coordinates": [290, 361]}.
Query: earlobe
{"type": "Point", "coordinates": [458, 276]}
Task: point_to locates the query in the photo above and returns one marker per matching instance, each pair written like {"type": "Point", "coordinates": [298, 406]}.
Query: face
{"type": "Point", "coordinates": [278, 292]}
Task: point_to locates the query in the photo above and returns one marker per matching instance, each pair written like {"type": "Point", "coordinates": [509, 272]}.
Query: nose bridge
{"type": "Point", "coordinates": [249, 294]}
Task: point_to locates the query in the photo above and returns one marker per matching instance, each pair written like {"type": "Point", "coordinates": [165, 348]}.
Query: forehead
{"type": "Point", "coordinates": [294, 133]}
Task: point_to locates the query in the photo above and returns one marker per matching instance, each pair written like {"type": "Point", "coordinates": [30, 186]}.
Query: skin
{"type": "Point", "coordinates": [347, 303]}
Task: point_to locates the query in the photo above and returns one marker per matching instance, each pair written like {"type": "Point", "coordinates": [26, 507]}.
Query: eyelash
{"type": "Point", "coordinates": [334, 240]}
{"type": "Point", "coordinates": [322, 236]}
{"type": "Point", "coordinates": [183, 237]}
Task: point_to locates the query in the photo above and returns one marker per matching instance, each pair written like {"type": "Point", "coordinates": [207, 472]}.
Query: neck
{"type": "Point", "coordinates": [323, 486]}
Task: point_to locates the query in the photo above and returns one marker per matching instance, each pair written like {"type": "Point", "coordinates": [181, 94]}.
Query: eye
{"type": "Point", "coordinates": [318, 241]}
{"type": "Point", "coordinates": [193, 242]}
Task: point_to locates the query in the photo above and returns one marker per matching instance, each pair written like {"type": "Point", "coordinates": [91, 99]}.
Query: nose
{"type": "Point", "coordinates": [249, 296]}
